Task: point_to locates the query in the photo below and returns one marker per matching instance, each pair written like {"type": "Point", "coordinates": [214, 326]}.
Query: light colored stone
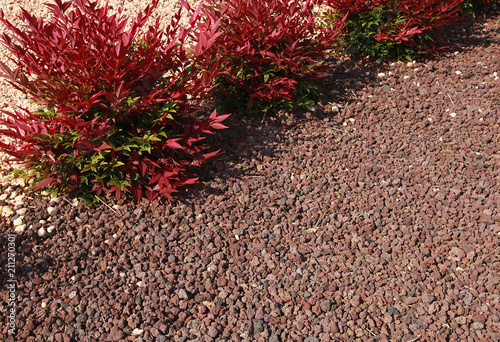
{"type": "Point", "coordinates": [50, 229]}
{"type": "Point", "coordinates": [18, 221]}
{"type": "Point", "coordinates": [20, 228]}
{"type": "Point", "coordinates": [137, 331]}
{"type": "Point", "coordinates": [7, 211]}
{"type": "Point", "coordinates": [42, 232]}
{"type": "Point", "coordinates": [21, 211]}
{"type": "Point", "coordinates": [50, 210]}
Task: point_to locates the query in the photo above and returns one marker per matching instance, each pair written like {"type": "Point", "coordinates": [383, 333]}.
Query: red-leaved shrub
{"type": "Point", "coordinates": [396, 28]}
{"type": "Point", "coordinates": [270, 51]}
{"type": "Point", "coordinates": [117, 101]}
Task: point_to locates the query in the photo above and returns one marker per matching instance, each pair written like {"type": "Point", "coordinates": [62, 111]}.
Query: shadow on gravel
{"type": "Point", "coordinates": [30, 264]}
{"type": "Point", "coordinates": [242, 143]}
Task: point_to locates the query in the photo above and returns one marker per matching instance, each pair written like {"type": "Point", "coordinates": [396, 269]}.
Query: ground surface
{"type": "Point", "coordinates": [375, 217]}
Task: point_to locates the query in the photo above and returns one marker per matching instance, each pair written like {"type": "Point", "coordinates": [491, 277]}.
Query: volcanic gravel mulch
{"type": "Point", "coordinates": [373, 218]}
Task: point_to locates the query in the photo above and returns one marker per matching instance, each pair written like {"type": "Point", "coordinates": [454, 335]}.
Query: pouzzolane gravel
{"type": "Point", "coordinates": [374, 217]}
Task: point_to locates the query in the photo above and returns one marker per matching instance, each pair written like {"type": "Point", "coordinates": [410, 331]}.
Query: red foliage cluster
{"type": "Point", "coordinates": [404, 20]}
{"type": "Point", "coordinates": [267, 47]}
{"type": "Point", "coordinates": [117, 100]}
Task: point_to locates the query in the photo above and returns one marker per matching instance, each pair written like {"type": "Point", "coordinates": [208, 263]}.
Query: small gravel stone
{"type": "Point", "coordinates": [81, 318]}
{"type": "Point", "coordinates": [393, 311]}
{"type": "Point", "coordinates": [427, 298]}
{"type": "Point", "coordinates": [468, 298]}
{"type": "Point", "coordinates": [258, 326]}
{"type": "Point", "coordinates": [7, 211]}
{"type": "Point", "coordinates": [311, 339]}
{"type": "Point", "coordinates": [274, 338]}
{"type": "Point", "coordinates": [477, 325]}
{"type": "Point", "coordinates": [213, 332]}
{"type": "Point", "coordinates": [116, 334]}
{"type": "Point", "coordinates": [137, 331]}
{"type": "Point", "coordinates": [183, 294]}
{"type": "Point", "coordinates": [18, 221]}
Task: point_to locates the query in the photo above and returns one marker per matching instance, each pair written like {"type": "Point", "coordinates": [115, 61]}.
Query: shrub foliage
{"type": "Point", "coordinates": [397, 28]}
{"type": "Point", "coordinates": [117, 100]}
{"type": "Point", "coordinates": [270, 52]}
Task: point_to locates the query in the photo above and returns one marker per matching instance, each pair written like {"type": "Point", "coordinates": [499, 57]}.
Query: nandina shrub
{"type": "Point", "coordinates": [398, 28]}
{"type": "Point", "coordinates": [271, 53]}
{"type": "Point", "coordinates": [117, 101]}
{"type": "Point", "coordinates": [470, 8]}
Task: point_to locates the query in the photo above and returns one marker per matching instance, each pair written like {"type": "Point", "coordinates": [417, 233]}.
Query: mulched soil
{"type": "Point", "coordinates": [374, 217]}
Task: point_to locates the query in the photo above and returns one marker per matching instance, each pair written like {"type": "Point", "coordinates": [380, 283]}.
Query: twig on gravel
{"type": "Point", "coordinates": [373, 334]}
{"type": "Point", "coordinates": [105, 204]}
{"type": "Point", "coordinates": [453, 103]}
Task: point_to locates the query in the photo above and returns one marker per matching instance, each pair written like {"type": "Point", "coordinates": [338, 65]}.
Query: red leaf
{"type": "Point", "coordinates": [43, 183]}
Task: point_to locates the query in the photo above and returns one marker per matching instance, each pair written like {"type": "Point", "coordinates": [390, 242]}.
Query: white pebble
{"type": "Point", "coordinates": [335, 109]}
{"type": "Point", "coordinates": [453, 115]}
{"type": "Point", "coordinates": [18, 221]}
{"type": "Point", "coordinates": [458, 72]}
{"type": "Point", "coordinates": [50, 210]}
{"type": "Point", "coordinates": [42, 232]}
{"type": "Point", "coordinates": [21, 211]}
{"type": "Point", "coordinates": [50, 229]}
{"type": "Point", "coordinates": [3, 197]}
{"type": "Point", "coordinates": [20, 228]}
{"type": "Point", "coordinates": [7, 211]}
{"type": "Point", "coordinates": [406, 77]}
{"type": "Point", "coordinates": [381, 74]}
{"type": "Point", "coordinates": [137, 332]}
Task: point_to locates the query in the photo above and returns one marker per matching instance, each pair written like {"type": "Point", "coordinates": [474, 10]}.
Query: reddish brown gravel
{"type": "Point", "coordinates": [374, 217]}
